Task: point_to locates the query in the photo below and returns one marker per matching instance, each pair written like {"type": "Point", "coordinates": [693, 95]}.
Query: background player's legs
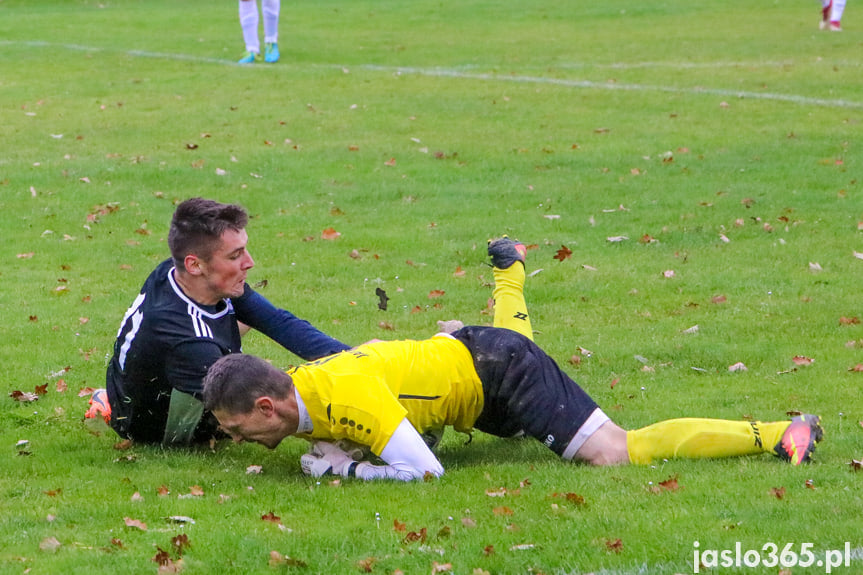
{"type": "Point", "coordinates": [270, 9]}
{"type": "Point", "coordinates": [826, 6]}
{"type": "Point", "coordinates": [249, 24]}
{"type": "Point", "coordinates": [836, 14]}
{"type": "Point", "coordinates": [510, 309]}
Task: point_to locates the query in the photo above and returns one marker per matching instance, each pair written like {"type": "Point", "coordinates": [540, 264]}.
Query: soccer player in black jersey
{"type": "Point", "coordinates": [187, 316]}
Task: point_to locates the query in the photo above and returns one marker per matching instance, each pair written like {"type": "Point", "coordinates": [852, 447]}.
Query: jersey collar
{"type": "Point", "coordinates": [229, 307]}
{"type": "Point", "coordinates": [304, 424]}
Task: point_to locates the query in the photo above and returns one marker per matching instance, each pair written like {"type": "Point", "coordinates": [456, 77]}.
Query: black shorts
{"type": "Point", "coordinates": [524, 388]}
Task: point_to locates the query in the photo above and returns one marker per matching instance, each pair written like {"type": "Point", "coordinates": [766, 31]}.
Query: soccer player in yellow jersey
{"type": "Point", "coordinates": [387, 395]}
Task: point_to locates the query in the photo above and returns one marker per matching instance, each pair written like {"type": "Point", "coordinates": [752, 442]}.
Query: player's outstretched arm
{"type": "Point", "coordinates": [294, 334]}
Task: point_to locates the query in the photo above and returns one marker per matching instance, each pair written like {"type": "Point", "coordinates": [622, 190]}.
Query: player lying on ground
{"type": "Point", "coordinates": [387, 395]}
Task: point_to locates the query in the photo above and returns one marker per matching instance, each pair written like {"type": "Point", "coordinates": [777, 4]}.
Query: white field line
{"type": "Point", "coordinates": [742, 94]}
{"type": "Point", "coordinates": [463, 74]}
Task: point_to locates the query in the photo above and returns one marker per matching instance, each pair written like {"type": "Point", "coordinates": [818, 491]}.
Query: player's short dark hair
{"type": "Point", "coordinates": [198, 224]}
{"type": "Point", "coordinates": [235, 381]}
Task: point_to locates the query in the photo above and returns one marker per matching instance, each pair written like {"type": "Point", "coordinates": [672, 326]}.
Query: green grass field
{"type": "Point", "coordinates": [721, 138]}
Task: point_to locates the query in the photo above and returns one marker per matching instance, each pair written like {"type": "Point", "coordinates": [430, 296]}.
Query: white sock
{"type": "Point", "coordinates": [271, 20]}
{"type": "Point", "coordinates": [836, 11]}
{"type": "Point", "coordinates": [249, 23]}
{"type": "Point", "coordinates": [825, 3]}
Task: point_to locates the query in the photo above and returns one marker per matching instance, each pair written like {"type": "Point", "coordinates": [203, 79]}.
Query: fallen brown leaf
{"type": "Point", "coordinates": [413, 537]}
{"type": "Point", "coordinates": [180, 543]}
{"type": "Point", "coordinates": [50, 545]}
{"type": "Point", "coordinates": [135, 523]}
{"type": "Point", "coordinates": [563, 253]}
{"type": "Point", "coordinates": [23, 396]}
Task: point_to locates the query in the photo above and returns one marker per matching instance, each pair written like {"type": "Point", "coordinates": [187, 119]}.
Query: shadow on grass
{"type": "Point", "coordinates": [456, 451]}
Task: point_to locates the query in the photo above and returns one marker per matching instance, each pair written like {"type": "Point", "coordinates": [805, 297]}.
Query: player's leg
{"type": "Point", "coordinates": [603, 443]}
{"type": "Point", "coordinates": [524, 388]}
{"type": "Point", "coordinates": [184, 415]}
{"type": "Point", "coordinates": [836, 10]}
{"type": "Point", "coordinates": [510, 308]}
{"type": "Point", "coordinates": [792, 441]}
{"type": "Point", "coordinates": [826, 6]}
{"type": "Point", "coordinates": [270, 9]}
{"type": "Point", "coordinates": [249, 24]}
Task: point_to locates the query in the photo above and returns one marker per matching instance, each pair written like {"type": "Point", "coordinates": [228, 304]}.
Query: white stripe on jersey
{"type": "Point", "coordinates": [201, 327]}
{"type": "Point", "coordinates": [132, 309]}
{"type": "Point", "coordinates": [137, 318]}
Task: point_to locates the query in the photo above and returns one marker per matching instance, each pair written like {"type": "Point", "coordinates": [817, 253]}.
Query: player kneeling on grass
{"type": "Point", "coordinates": [387, 395]}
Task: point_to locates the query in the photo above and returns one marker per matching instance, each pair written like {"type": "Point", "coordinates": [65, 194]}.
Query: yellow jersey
{"type": "Point", "coordinates": [364, 393]}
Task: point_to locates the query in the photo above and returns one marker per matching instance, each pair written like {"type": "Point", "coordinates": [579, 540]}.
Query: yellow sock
{"type": "Point", "coordinates": [510, 309]}
{"type": "Point", "coordinates": [694, 438]}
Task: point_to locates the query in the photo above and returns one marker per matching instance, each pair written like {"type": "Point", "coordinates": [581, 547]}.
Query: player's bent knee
{"type": "Point", "coordinates": [606, 446]}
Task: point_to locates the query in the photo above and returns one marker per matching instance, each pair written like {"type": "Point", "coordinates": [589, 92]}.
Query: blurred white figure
{"type": "Point", "coordinates": [831, 15]}
{"type": "Point", "coordinates": [249, 23]}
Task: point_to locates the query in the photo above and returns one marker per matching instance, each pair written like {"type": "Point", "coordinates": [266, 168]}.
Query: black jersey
{"type": "Point", "coordinates": [166, 341]}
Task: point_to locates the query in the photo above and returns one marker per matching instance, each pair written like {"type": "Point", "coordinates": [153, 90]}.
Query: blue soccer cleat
{"type": "Point", "coordinates": [248, 58]}
{"type": "Point", "coordinates": [271, 52]}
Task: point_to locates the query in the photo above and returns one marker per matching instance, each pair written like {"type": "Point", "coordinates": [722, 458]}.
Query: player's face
{"type": "Point", "coordinates": [255, 426]}
{"type": "Point", "coordinates": [225, 272]}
